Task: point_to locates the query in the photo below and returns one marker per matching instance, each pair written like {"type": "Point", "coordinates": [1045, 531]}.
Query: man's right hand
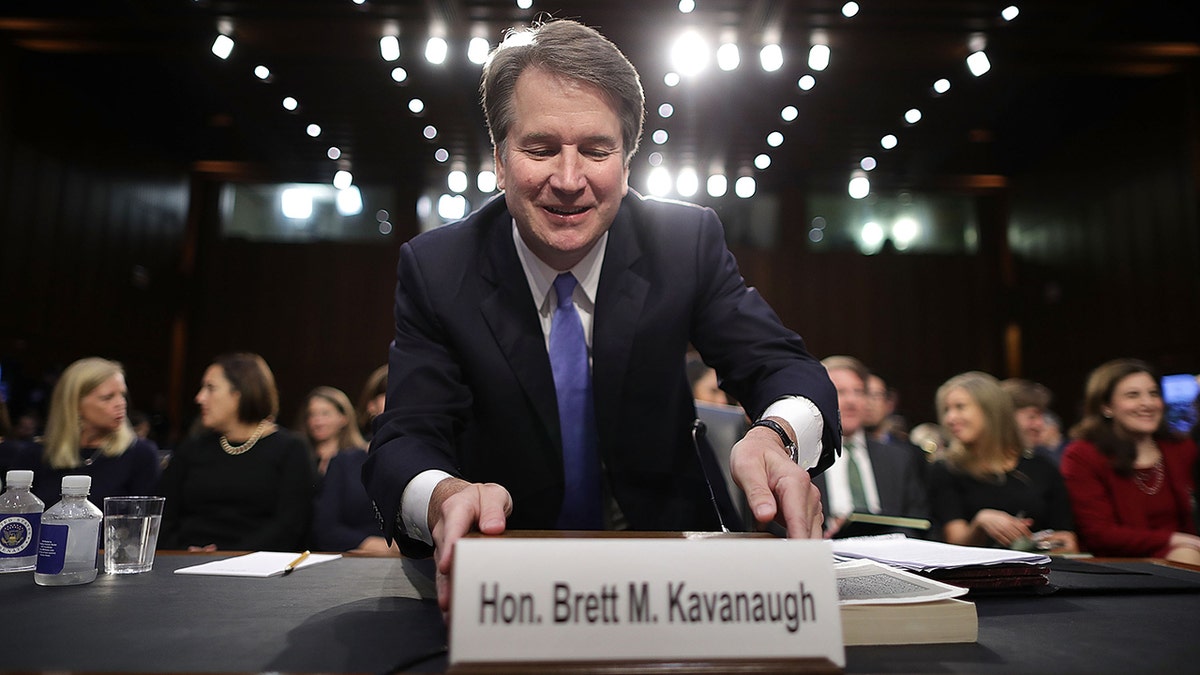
{"type": "Point", "coordinates": [455, 508]}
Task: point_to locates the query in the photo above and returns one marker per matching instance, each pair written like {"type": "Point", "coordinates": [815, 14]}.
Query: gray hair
{"type": "Point", "coordinates": [568, 49]}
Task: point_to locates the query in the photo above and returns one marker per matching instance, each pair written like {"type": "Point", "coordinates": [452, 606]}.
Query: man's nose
{"type": "Point", "coordinates": [569, 175]}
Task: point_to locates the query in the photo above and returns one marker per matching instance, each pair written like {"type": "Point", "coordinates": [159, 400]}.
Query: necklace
{"type": "Point", "coordinates": [1150, 480]}
{"type": "Point", "coordinates": [244, 447]}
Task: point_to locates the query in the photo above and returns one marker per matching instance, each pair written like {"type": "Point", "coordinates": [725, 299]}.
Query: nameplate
{"type": "Point", "coordinates": [613, 599]}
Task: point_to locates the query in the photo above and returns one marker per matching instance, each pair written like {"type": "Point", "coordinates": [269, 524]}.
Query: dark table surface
{"type": "Point", "coordinates": [374, 615]}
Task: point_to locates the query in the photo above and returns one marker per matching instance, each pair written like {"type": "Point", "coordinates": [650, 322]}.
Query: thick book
{"type": "Point", "coordinates": [938, 622]}
{"type": "Point", "coordinates": [868, 524]}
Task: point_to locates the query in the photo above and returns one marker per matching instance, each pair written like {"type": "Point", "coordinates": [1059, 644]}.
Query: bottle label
{"type": "Point", "coordinates": [17, 535]}
{"type": "Point", "coordinates": [52, 549]}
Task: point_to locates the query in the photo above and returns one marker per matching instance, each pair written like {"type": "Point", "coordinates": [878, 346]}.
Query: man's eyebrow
{"type": "Point", "coordinates": [542, 137]}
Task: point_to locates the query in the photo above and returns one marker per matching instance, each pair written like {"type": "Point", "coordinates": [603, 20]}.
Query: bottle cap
{"type": "Point", "coordinates": [18, 478]}
{"type": "Point", "coordinates": [76, 485]}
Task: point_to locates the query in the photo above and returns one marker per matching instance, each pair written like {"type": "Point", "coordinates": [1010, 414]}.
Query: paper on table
{"type": "Point", "coordinates": [866, 582]}
{"type": "Point", "coordinates": [922, 556]}
{"type": "Point", "coordinates": [259, 564]}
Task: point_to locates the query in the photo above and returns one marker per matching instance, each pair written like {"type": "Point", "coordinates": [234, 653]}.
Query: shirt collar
{"type": "Point", "coordinates": [541, 276]}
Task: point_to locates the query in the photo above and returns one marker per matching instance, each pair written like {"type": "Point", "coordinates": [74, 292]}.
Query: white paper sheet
{"type": "Point", "coordinates": [259, 564]}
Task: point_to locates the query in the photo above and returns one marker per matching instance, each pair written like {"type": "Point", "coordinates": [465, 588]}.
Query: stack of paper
{"type": "Point", "coordinates": [976, 568]}
{"type": "Point", "coordinates": [260, 564]}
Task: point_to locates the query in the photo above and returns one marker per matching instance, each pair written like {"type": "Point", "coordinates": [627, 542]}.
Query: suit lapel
{"type": "Point", "coordinates": [619, 300]}
{"type": "Point", "coordinates": [512, 317]}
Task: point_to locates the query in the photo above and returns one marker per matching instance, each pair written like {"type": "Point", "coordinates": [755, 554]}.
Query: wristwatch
{"type": "Point", "coordinates": [788, 443]}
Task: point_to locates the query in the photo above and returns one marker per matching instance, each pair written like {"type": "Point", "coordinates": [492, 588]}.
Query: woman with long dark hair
{"type": "Point", "coordinates": [1130, 481]}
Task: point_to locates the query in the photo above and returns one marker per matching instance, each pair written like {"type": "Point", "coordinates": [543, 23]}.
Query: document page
{"type": "Point", "coordinates": [863, 582]}
{"type": "Point", "coordinates": [923, 556]}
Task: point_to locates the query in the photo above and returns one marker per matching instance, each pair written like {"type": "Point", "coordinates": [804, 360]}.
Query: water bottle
{"type": "Point", "coordinates": [20, 516]}
{"type": "Point", "coordinates": [70, 537]}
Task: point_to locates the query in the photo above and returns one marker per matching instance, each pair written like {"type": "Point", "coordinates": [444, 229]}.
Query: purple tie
{"type": "Point", "coordinates": [581, 507]}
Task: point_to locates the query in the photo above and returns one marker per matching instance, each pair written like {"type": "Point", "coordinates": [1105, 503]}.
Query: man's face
{"type": "Point", "coordinates": [877, 405]}
{"type": "Point", "coordinates": [1031, 422]}
{"type": "Point", "coordinates": [563, 168]}
{"type": "Point", "coordinates": [852, 396]}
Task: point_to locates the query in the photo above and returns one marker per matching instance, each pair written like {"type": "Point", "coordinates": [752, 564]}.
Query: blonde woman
{"type": "Point", "coordinates": [987, 492]}
{"type": "Point", "coordinates": [88, 433]}
{"type": "Point", "coordinates": [329, 422]}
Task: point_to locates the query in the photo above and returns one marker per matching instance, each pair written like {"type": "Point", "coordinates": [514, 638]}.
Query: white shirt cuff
{"type": "Point", "coordinates": [807, 423]}
{"type": "Point", "coordinates": [414, 504]}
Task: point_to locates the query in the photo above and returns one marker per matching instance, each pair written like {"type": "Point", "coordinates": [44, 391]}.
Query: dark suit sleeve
{"type": "Point", "coordinates": [758, 359]}
{"type": "Point", "coordinates": [428, 403]}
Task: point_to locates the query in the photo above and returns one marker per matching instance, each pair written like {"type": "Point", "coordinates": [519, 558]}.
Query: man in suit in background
{"type": "Point", "coordinates": [537, 376]}
{"type": "Point", "coordinates": [871, 476]}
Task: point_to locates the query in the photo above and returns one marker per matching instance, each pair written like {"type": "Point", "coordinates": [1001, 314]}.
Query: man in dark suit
{"type": "Point", "coordinates": [483, 430]}
{"type": "Point", "coordinates": [871, 476]}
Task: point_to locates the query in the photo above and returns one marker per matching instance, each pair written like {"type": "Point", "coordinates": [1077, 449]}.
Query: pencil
{"type": "Point", "coordinates": [292, 565]}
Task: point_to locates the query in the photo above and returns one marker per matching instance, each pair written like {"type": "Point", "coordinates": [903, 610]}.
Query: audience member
{"type": "Point", "coordinates": [1052, 439]}
{"type": "Point", "coordinates": [705, 387]}
{"type": "Point", "coordinates": [987, 491]}
{"type": "Point", "coordinates": [1130, 481]}
{"type": "Point", "coordinates": [496, 419]}
{"type": "Point", "coordinates": [372, 401]}
{"type": "Point", "coordinates": [329, 424]}
{"type": "Point", "coordinates": [1030, 402]}
{"type": "Point", "coordinates": [343, 518]}
{"type": "Point", "coordinates": [88, 433]}
{"type": "Point", "coordinates": [880, 404]}
{"type": "Point", "coordinates": [244, 484]}
{"type": "Point", "coordinates": [871, 476]}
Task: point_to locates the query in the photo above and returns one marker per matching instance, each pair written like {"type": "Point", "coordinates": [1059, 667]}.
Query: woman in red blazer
{"type": "Point", "coordinates": [1130, 483]}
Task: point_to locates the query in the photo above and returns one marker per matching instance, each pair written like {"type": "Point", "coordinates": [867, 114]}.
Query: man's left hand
{"type": "Point", "coordinates": [775, 487]}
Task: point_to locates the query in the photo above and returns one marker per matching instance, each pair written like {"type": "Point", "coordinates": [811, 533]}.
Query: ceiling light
{"type": "Point", "coordinates": [654, 159]}
{"type": "Point", "coordinates": [524, 4]}
{"type": "Point", "coordinates": [333, 152]}
{"type": "Point", "coordinates": [789, 113]}
{"type": "Point", "coordinates": [859, 186]}
{"type": "Point", "coordinates": [486, 181]}
{"type": "Point", "coordinates": [659, 136]}
{"type": "Point", "coordinates": [399, 74]}
{"type": "Point", "coordinates": [806, 82]}
{"type": "Point", "coordinates": [868, 163]}
{"type": "Point", "coordinates": [762, 161]}
{"type": "Point", "coordinates": [416, 106]}
{"type": "Point", "coordinates": [313, 130]}
{"type": "Point", "coordinates": [849, 9]}
{"type": "Point", "coordinates": [687, 183]}
{"type": "Point", "coordinates": [456, 180]}
{"type": "Point", "coordinates": [912, 116]}
{"type": "Point", "coordinates": [658, 183]}
{"type": "Point", "coordinates": [888, 142]}
{"type": "Point", "coordinates": [774, 139]}
{"type": "Point", "coordinates": [343, 180]}
{"type": "Point", "coordinates": [718, 185]}
{"type": "Point", "coordinates": [452, 207]}
{"type": "Point", "coordinates": [296, 203]}
{"type": "Point", "coordinates": [262, 72]}
{"type": "Point", "coordinates": [941, 86]}
{"type": "Point", "coordinates": [689, 54]}
{"type": "Point", "coordinates": [771, 58]}
{"type": "Point", "coordinates": [436, 50]}
{"type": "Point", "coordinates": [441, 155]}
{"type": "Point", "coordinates": [871, 237]}
{"type": "Point", "coordinates": [687, 6]}
{"type": "Point", "coordinates": [477, 50]}
{"type": "Point", "coordinates": [728, 57]}
{"type": "Point", "coordinates": [818, 57]}
{"type": "Point", "coordinates": [904, 231]}
{"type": "Point", "coordinates": [978, 63]}
{"type": "Point", "coordinates": [666, 110]}
{"type": "Point", "coordinates": [389, 47]}
{"type": "Point", "coordinates": [290, 103]}
{"type": "Point", "coordinates": [745, 187]}
{"type": "Point", "coordinates": [429, 132]}
{"type": "Point", "coordinates": [1009, 13]}
{"type": "Point", "coordinates": [349, 201]}
{"type": "Point", "coordinates": [671, 79]}
{"type": "Point", "coordinates": [222, 47]}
